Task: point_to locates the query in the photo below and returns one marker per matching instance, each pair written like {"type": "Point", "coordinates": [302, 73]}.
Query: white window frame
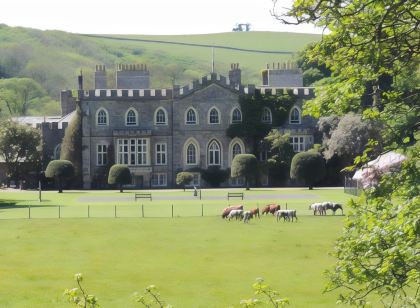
{"type": "Point", "coordinates": [265, 113]}
{"type": "Point", "coordinates": [298, 143]}
{"type": "Point", "coordinates": [101, 154]}
{"type": "Point", "coordinates": [218, 116]}
{"type": "Point", "coordinates": [187, 122]}
{"type": "Point", "coordinates": [295, 121]}
{"type": "Point", "coordinates": [106, 117]}
{"type": "Point", "coordinates": [211, 154]}
{"type": "Point", "coordinates": [232, 120]}
{"type": "Point", "coordinates": [133, 151]}
{"type": "Point", "coordinates": [136, 117]}
{"type": "Point", "coordinates": [187, 154]}
{"type": "Point", "coordinates": [165, 114]}
{"type": "Point", "coordinates": [159, 180]}
{"type": "Point", "coordinates": [161, 153]}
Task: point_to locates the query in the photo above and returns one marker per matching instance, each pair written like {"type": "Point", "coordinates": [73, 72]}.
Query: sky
{"type": "Point", "coordinates": [145, 16]}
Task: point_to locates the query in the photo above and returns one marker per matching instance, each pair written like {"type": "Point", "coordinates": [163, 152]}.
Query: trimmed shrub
{"type": "Point", "coordinates": [119, 175]}
{"type": "Point", "coordinates": [245, 165]}
{"type": "Point", "coordinates": [214, 175]}
{"type": "Point", "coordinates": [308, 167]}
{"type": "Point", "coordinates": [184, 178]}
{"type": "Point", "coordinates": [60, 170]}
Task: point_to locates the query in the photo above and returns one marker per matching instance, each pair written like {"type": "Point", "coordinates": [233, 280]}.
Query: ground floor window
{"type": "Point", "coordinates": [298, 143]}
{"type": "Point", "coordinates": [238, 181]}
{"type": "Point", "coordinates": [159, 179]}
{"type": "Point", "coordinates": [133, 151]}
{"type": "Point", "coordinates": [102, 157]}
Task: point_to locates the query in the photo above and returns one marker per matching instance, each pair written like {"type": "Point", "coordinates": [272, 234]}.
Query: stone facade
{"type": "Point", "coordinates": [160, 132]}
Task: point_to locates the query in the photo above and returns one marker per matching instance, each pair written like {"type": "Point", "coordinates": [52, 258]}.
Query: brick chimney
{"type": "Point", "coordinates": [235, 74]}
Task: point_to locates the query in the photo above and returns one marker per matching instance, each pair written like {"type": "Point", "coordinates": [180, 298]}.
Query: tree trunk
{"type": "Point", "coordinates": [121, 188]}
{"type": "Point", "coordinates": [60, 188]}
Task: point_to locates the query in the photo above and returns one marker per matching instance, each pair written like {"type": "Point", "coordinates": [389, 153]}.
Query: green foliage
{"type": "Point", "coordinates": [21, 97]}
{"type": "Point", "coordinates": [373, 51]}
{"type": "Point", "coordinates": [60, 170]}
{"type": "Point", "coordinates": [79, 297]}
{"type": "Point", "coordinates": [307, 167]}
{"type": "Point", "coordinates": [71, 147]}
{"type": "Point", "coordinates": [245, 165]}
{"type": "Point", "coordinates": [214, 175]}
{"type": "Point", "coordinates": [150, 298]}
{"type": "Point", "coordinates": [120, 175]}
{"type": "Point", "coordinates": [281, 155]}
{"type": "Point", "coordinates": [381, 235]}
{"type": "Point", "coordinates": [312, 69]}
{"type": "Point", "coordinates": [269, 295]}
{"type": "Point", "coordinates": [184, 178]}
{"type": "Point", "coordinates": [350, 138]}
{"type": "Point", "coordinates": [251, 128]}
{"type": "Point", "coordinates": [20, 148]}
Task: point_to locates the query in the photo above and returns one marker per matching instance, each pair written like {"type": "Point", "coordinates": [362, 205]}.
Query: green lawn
{"type": "Point", "coordinates": [195, 261]}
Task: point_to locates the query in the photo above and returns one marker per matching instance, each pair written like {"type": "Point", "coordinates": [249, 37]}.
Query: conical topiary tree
{"type": "Point", "coordinates": [119, 175]}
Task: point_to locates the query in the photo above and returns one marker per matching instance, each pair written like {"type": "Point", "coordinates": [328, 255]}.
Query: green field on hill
{"type": "Point", "coordinates": [55, 58]}
{"type": "Point", "coordinates": [195, 261]}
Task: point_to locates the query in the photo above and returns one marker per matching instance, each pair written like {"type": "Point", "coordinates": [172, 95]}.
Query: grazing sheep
{"type": "Point", "coordinates": [288, 215]}
{"type": "Point", "coordinates": [318, 208]}
{"type": "Point", "coordinates": [247, 216]}
{"type": "Point", "coordinates": [227, 210]}
{"type": "Point", "coordinates": [334, 207]}
{"type": "Point", "coordinates": [237, 214]}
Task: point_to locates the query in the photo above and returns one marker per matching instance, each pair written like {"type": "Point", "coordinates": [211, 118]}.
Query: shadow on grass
{"type": "Point", "coordinates": [12, 204]}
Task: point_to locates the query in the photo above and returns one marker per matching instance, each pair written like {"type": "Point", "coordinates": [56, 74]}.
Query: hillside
{"type": "Point", "coordinates": [54, 58]}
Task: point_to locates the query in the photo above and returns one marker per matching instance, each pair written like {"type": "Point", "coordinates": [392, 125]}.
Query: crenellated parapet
{"type": "Point", "coordinates": [180, 92]}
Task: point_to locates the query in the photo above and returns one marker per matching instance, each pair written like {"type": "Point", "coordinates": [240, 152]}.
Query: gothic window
{"type": "Point", "coordinates": [214, 116]}
{"type": "Point", "coordinates": [236, 116]}
{"type": "Point", "coordinates": [236, 149]}
{"type": "Point", "coordinates": [266, 116]}
{"type": "Point", "coordinates": [102, 117]}
{"type": "Point", "coordinates": [214, 154]}
{"type": "Point", "coordinates": [160, 117]}
{"type": "Point", "coordinates": [191, 117]}
{"type": "Point", "coordinates": [295, 116]}
{"type": "Point", "coordinates": [131, 118]}
{"type": "Point", "coordinates": [191, 154]}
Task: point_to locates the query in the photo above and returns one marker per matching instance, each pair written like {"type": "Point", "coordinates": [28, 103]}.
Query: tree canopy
{"type": "Point", "coordinates": [60, 170]}
{"type": "Point", "coordinates": [119, 175]}
{"type": "Point", "coordinates": [184, 178]}
{"type": "Point", "coordinates": [20, 148]}
{"type": "Point", "coordinates": [308, 167]}
{"type": "Point", "coordinates": [373, 51]}
{"type": "Point", "coordinates": [245, 165]}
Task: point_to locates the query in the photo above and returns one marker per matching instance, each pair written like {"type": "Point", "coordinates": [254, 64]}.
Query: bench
{"type": "Point", "coordinates": [142, 196]}
{"type": "Point", "coordinates": [235, 195]}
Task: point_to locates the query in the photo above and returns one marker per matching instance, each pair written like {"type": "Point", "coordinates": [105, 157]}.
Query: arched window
{"type": "Point", "coordinates": [191, 117]}
{"type": "Point", "coordinates": [102, 117]}
{"type": "Point", "coordinates": [236, 116]}
{"type": "Point", "coordinates": [214, 154]}
{"type": "Point", "coordinates": [131, 117]}
{"type": "Point", "coordinates": [57, 151]}
{"type": "Point", "coordinates": [214, 116]}
{"type": "Point", "coordinates": [236, 149]}
{"type": "Point", "coordinates": [266, 116]}
{"type": "Point", "coordinates": [295, 116]}
{"type": "Point", "coordinates": [191, 154]}
{"type": "Point", "coordinates": [160, 117]}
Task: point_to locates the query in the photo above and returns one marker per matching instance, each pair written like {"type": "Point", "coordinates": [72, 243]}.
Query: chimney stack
{"type": "Point", "coordinates": [235, 74]}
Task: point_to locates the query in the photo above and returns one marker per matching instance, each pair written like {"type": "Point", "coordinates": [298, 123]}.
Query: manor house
{"type": "Point", "coordinates": [160, 132]}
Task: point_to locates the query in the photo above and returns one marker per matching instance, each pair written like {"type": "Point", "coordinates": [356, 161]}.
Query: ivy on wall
{"type": "Point", "coordinates": [252, 129]}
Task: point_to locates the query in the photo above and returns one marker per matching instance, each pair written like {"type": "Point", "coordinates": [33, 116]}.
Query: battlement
{"type": "Point", "coordinates": [179, 92]}
{"type": "Point", "coordinates": [282, 66]}
{"type": "Point", "coordinates": [100, 68]}
{"type": "Point", "coordinates": [132, 67]}
{"type": "Point", "coordinates": [285, 74]}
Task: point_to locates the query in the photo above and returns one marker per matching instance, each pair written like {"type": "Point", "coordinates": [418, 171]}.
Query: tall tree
{"type": "Point", "coordinates": [373, 51]}
{"type": "Point", "coordinates": [20, 148]}
{"type": "Point", "coordinates": [71, 148]}
{"type": "Point", "coordinates": [245, 165]}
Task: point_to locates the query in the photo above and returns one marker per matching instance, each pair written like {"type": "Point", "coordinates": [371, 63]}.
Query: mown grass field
{"type": "Point", "coordinates": [195, 261]}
